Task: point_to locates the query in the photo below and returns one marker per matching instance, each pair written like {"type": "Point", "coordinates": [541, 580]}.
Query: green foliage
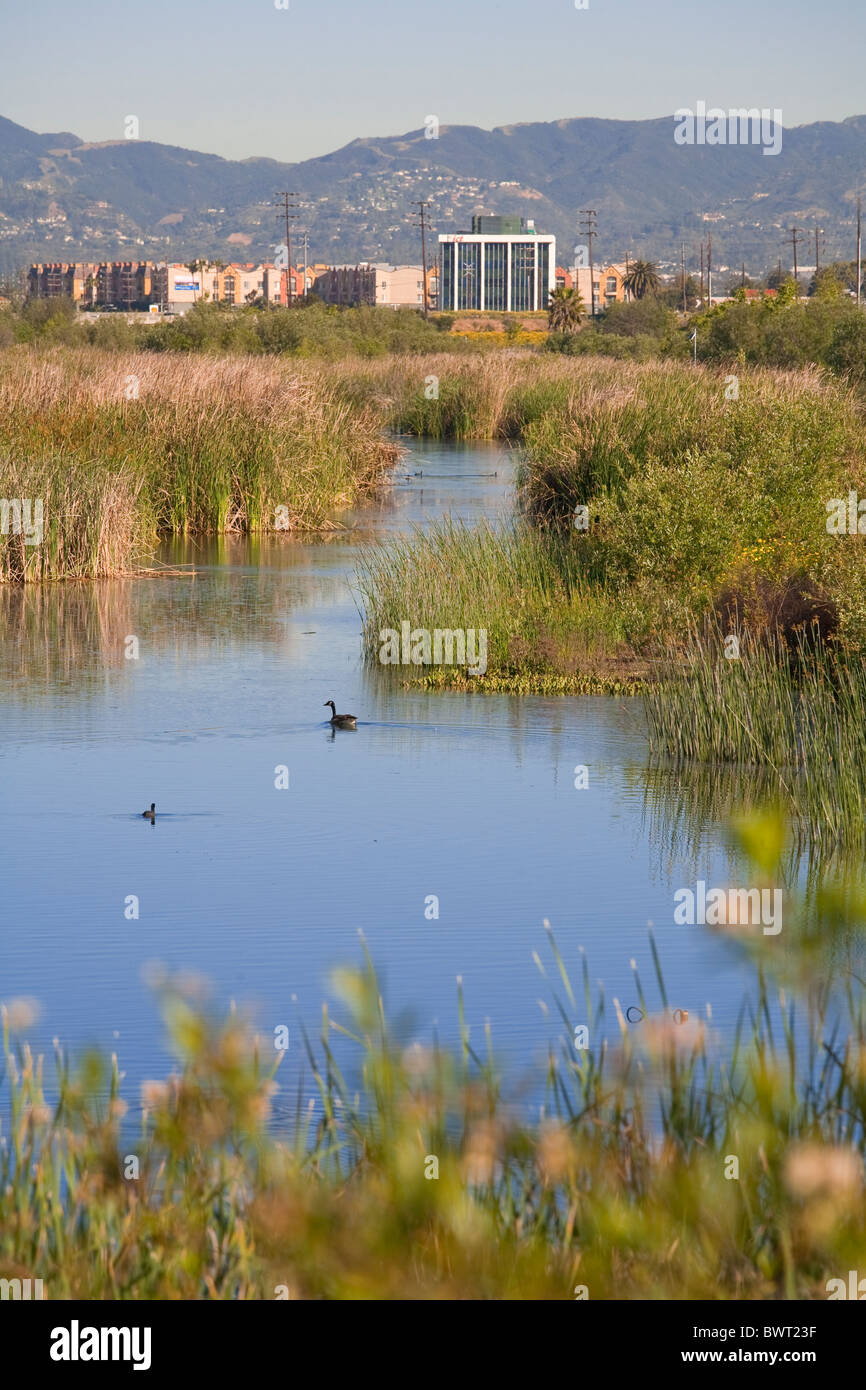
{"type": "Point", "coordinates": [648, 316]}
{"type": "Point", "coordinates": [565, 310]}
{"type": "Point", "coordinates": [780, 332]}
{"type": "Point", "coordinates": [641, 279]}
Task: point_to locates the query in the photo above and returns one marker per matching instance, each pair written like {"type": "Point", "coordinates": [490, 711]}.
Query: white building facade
{"type": "Point", "coordinates": [504, 272]}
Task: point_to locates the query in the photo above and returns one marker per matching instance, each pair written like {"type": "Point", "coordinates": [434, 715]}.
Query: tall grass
{"type": "Point", "coordinates": [796, 711]}
{"type": "Point", "coordinates": [690, 495]}
{"type": "Point", "coordinates": [413, 1174]}
{"type": "Point", "coordinates": [547, 628]}
{"type": "Point", "coordinates": [124, 447]}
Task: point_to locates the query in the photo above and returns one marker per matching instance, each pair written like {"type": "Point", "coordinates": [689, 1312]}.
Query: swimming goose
{"type": "Point", "coordinates": [341, 721]}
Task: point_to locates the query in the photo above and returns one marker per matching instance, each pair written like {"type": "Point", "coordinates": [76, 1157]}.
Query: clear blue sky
{"type": "Point", "coordinates": [240, 77]}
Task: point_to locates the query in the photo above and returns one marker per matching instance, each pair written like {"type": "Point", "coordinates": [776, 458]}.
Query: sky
{"type": "Point", "coordinates": [243, 77]}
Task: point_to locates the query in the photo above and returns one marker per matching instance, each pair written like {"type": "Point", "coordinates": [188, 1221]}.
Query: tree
{"type": "Point", "coordinates": [194, 268]}
{"type": "Point", "coordinates": [847, 351]}
{"type": "Point", "coordinates": [564, 310]}
{"type": "Point", "coordinates": [833, 281]}
{"type": "Point", "coordinates": [642, 279]}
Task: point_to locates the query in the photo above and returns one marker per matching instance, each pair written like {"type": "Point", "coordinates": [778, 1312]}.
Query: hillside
{"type": "Point", "coordinates": [62, 199]}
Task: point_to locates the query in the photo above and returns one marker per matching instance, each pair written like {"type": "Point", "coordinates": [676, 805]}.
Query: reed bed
{"type": "Point", "coordinates": [522, 585]}
{"type": "Point", "coordinates": [413, 1173]}
{"type": "Point", "coordinates": [125, 447]}
{"type": "Point", "coordinates": [794, 710]}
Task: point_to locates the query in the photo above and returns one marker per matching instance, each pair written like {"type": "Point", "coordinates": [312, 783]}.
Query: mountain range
{"type": "Point", "coordinates": [64, 199]}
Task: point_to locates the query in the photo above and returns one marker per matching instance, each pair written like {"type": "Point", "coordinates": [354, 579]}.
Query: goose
{"type": "Point", "coordinates": [341, 721]}
{"type": "Point", "coordinates": [150, 815]}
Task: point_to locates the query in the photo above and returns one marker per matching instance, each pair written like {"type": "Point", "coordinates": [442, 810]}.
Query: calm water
{"type": "Point", "coordinates": [263, 891]}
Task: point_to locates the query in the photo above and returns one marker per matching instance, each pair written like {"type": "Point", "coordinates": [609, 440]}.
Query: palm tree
{"type": "Point", "coordinates": [641, 279]}
{"type": "Point", "coordinates": [564, 310]}
{"type": "Point", "coordinates": [195, 267]}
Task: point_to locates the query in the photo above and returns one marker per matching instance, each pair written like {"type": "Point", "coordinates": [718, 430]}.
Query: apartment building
{"type": "Point", "coordinates": [609, 285]}
{"type": "Point", "coordinates": [396, 286]}
{"type": "Point", "coordinates": [124, 284]}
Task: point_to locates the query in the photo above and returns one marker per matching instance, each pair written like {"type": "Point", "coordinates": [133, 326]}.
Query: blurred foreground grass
{"type": "Point", "coordinates": [662, 1166]}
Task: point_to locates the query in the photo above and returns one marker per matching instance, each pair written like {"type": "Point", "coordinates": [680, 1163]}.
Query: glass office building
{"type": "Point", "coordinates": [500, 265]}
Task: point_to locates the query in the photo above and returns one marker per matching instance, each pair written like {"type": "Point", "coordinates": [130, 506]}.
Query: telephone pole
{"type": "Point", "coordinates": [283, 201]}
{"type": "Point", "coordinates": [683, 275]}
{"type": "Point", "coordinates": [859, 246]}
{"type": "Point", "coordinates": [819, 232]}
{"type": "Point", "coordinates": [306, 253]}
{"type": "Point", "coordinates": [590, 229]}
{"type": "Point", "coordinates": [703, 301]}
{"type": "Point", "coordinates": [421, 205]}
{"type": "Point", "coordinates": [794, 239]}
{"type": "Point", "coordinates": [709, 270]}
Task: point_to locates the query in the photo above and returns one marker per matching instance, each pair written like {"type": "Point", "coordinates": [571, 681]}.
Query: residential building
{"type": "Point", "coordinates": [347, 284]}
{"type": "Point", "coordinates": [78, 281]}
{"type": "Point", "coordinates": [177, 287]}
{"type": "Point", "coordinates": [503, 264]}
{"type": "Point", "coordinates": [125, 284]}
{"type": "Point", "coordinates": [397, 286]}
{"type": "Point", "coordinates": [609, 285]}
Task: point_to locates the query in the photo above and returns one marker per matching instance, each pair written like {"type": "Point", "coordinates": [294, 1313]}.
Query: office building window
{"type": "Point", "coordinates": [523, 276]}
{"type": "Point", "coordinates": [448, 250]}
{"type": "Point", "coordinates": [543, 249]}
{"type": "Point", "coordinates": [469, 275]}
{"type": "Point", "coordinates": [496, 275]}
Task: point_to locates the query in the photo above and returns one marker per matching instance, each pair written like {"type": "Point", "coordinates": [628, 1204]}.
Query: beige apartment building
{"type": "Point", "coordinates": [609, 285]}
{"type": "Point", "coordinates": [397, 286]}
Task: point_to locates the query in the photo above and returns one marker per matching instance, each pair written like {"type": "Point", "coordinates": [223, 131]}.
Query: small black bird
{"type": "Point", "coordinates": [151, 814]}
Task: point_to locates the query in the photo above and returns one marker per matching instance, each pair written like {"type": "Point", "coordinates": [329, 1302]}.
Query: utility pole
{"type": "Point", "coordinates": [683, 275]}
{"type": "Point", "coordinates": [703, 301]}
{"type": "Point", "coordinates": [795, 234]}
{"type": "Point", "coordinates": [421, 205]}
{"type": "Point", "coordinates": [819, 231]}
{"type": "Point", "coordinates": [283, 200]}
{"type": "Point", "coordinates": [743, 281]}
{"type": "Point", "coordinates": [306, 252]}
{"type": "Point", "coordinates": [590, 229]}
{"type": "Point", "coordinates": [859, 246]}
{"type": "Point", "coordinates": [709, 270]}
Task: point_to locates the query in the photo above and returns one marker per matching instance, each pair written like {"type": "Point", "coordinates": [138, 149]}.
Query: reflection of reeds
{"type": "Point", "coordinates": [63, 635]}
{"type": "Point", "coordinates": [75, 633]}
{"type": "Point", "coordinates": [663, 1167]}
{"type": "Point", "coordinates": [122, 447]}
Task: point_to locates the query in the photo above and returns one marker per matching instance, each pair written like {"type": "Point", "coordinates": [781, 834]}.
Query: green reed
{"type": "Point", "coordinates": [126, 447]}
{"type": "Point", "coordinates": [795, 710]}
